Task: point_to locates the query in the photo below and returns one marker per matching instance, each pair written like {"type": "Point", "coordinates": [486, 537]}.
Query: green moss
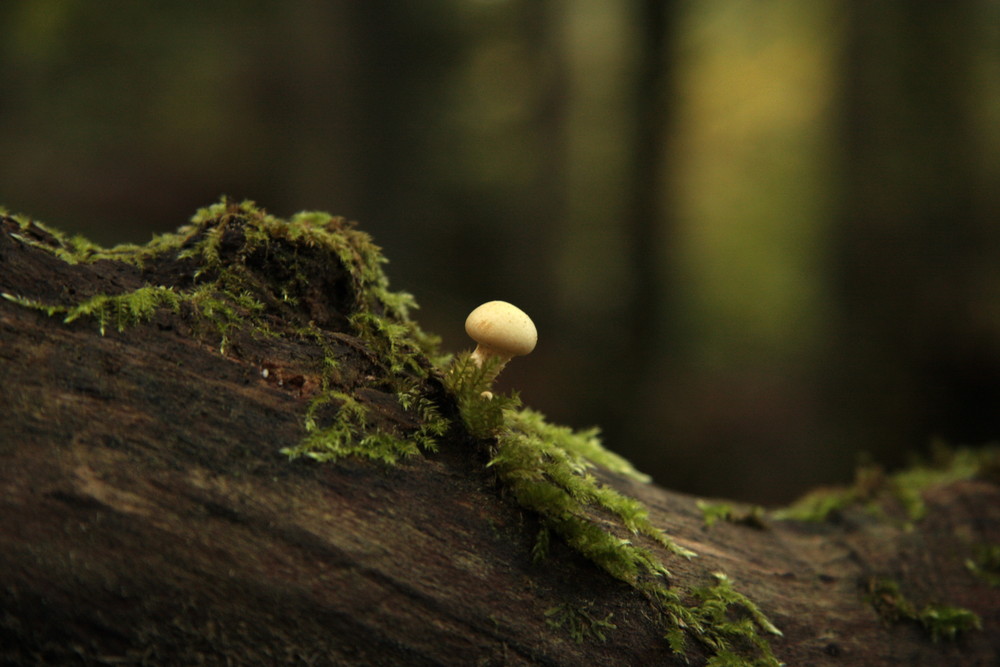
{"type": "Point", "coordinates": [947, 466]}
{"type": "Point", "coordinates": [228, 292]}
{"type": "Point", "coordinates": [985, 563]}
{"type": "Point", "coordinates": [550, 469]}
{"type": "Point", "coordinates": [939, 621]}
{"type": "Point", "coordinates": [579, 622]}
{"type": "Point", "coordinates": [722, 620]}
{"type": "Point", "coordinates": [873, 489]}
{"type": "Point", "coordinates": [353, 433]}
{"type": "Point", "coordinates": [752, 516]}
{"type": "Point", "coordinates": [819, 504]}
{"type": "Point", "coordinates": [79, 250]}
{"type": "Point", "coordinates": [712, 512]}
{"type": "Point", "coordinates": [121, 310]}
{"type": "Point", "coordinates": [554, 472]}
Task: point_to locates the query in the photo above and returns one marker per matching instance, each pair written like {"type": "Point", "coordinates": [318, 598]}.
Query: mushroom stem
{"type": "Point", "coordinates": [484, 355]}
{"type": "Point", "coordinates": [484, 352]}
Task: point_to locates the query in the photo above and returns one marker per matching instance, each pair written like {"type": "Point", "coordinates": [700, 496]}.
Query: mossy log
{"type": "Point", "coordinates": [151, 513]}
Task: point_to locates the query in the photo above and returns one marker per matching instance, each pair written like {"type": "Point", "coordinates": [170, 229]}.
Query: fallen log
{"type": "Point", "coordinates": [233, 445]}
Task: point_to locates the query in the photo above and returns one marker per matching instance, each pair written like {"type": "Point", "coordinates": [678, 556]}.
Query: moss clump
{"type": "Point", "coordinates": [723, 620]}
{"type": "Point", "coordinates": [820, 504]}
{"type": "Point", "coordinates": [873, 490]}
{"type": "Point", "coordinates": [939, 621]}
{"type": "Point", "coordinates": [79, 250]}
{"type": "Point", "coordinates": [550, 470]}
{"type": "Point", "coordinates": [354, 433]}
{"type": "Point", "coordinates": [553, 471]}
{"type": "Point", "coordinates": [243, 270]}
{"type": "Point", "coordinates": [752, 517]}
{"type": "Point", "coordinates": [945, 467]}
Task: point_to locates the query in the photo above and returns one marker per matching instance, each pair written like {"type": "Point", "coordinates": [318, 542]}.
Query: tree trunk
{"type": "Point", "coordinates": [149, 516]}
{"type": "Point", "coordinates": [915, 244]}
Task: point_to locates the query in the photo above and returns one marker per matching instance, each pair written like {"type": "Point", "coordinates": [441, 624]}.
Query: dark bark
{"type": "Point", "coordinates": [148, 518]}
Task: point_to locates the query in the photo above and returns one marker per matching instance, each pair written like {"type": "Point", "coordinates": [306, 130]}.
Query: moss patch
{"type": "Point", "coordinates": [752, 516]}
{"type": "Point", "coordinates": [552, 471]}
{"type": "Point", "coordinates": [939, 621]}
{"type": "Point", "coordinates": [725, 621]}
{"type": "Point", "coordinates": [881, 494]}
{"type": "Point", "coordinates": [237, 271]}
{"type": "Point", "coordinates": [121, 310]}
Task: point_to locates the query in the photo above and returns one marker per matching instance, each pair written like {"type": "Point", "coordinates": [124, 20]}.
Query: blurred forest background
{"type": "Point", "coordinates": [760, 238]}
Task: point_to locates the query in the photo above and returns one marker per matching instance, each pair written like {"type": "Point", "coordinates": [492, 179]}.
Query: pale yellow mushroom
{"type": "Point", "coordinates": [500, 330]}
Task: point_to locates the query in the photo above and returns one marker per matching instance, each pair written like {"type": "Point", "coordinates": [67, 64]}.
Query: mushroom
{"type": "Point", "coordinates": [501, 330]}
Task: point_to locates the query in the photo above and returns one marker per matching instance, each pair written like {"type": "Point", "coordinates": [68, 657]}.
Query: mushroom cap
{"type": "Point", "coordinates": [503, 328]}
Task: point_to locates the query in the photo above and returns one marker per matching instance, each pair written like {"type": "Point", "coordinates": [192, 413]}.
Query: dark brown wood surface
{"type": "Point", "coordinates": [147, 517]}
